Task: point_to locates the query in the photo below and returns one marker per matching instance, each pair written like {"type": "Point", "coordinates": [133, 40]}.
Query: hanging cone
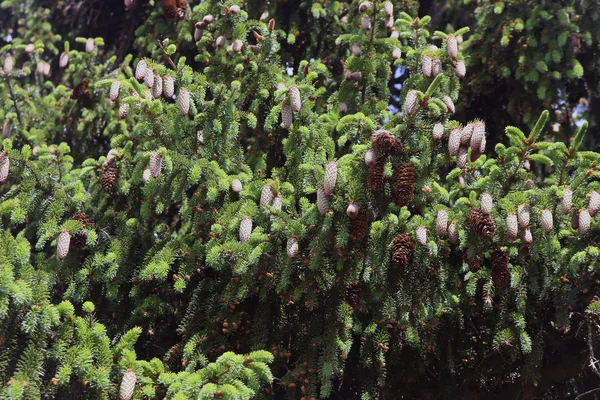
{"type": "Point", "coordinates": [370, 157]}
{"type": "Point", "coordinates": [149, 78]}
{"type": "Point", "coordinates": [594, 204]}
{"type": "Point", "coordinates": [359, 227]}
{"type": "Point", "coordinates": [500, 273]}
{"type": "Point", "coordinates": [436, 68]}
{"type": "Point", "coordinates": [421, 235]}
{"type": "Point", "coordinates": [426, 65]}
{"type": "Point", "coordinates": [376, 180]}
{"type": "Point", "coordinates": [482, 224]}
{"type": "Point", "coordinates": [146, 175]}
{"type": "Point", "coordinates": [78, 240]}
{"type": "Point", "coordinates": [453, 233]}
{"type": "Point", "coordinates": [449, 103]}
{"type": "Point", "coordinates": [403, 184]}
{"type": "Point", "coordinates": [127, 385]}
{"type": "Point", "coordinates": [245, 229]}
{"type": "Point", "coordinates": [547, 222]}
{"type": "Point", "coordinates": [277, 203]}
{"type": "Point", "coordinates": [4, 167]}
{"type": "Point", "coordinates": [385, 142]}
{"type": "Point", "coordinates": [184, 101]}
{"type": "Point", "coordinates": [63, 60]}
{"type": "Point", "coordinates": [354, 295]}
{"type": "Point", "coordinates": [155, 164]}
{"type": "Point", "coordinates": [266, 197]}
{"type": "Point", "coordinates": [487, 203]}
{"type": "Point", "coordinates": [461, 157]}
{"type": "Point", "coordinates": [287, 116]}
{"type": "Point", "coordinates": [584, 221]}
{"type": "Point", "coordinates": [410, 104]}
{"type": "Point", "coordinates": [168, 87]}
{"type": "Point", "coordinates": [295, 99]}
{"type": "Point", "coordinates": [108, 177]}
{"type": "Point", "coordinates": [512, 228]}
{"type": "Point", "coordinates": [466, 134]}
{"type": "Point", "coordinates": [62, 245]}
{"type": "Point", "coordinates": [567, 201]}
{"type": "Point", "coordinates": [322, 201]}
{"type": "Point", "coordinates": [527, 238]}
{"type": "Point", "coordinates": [123, 110]}
{"type": "Point", "coordinates": [461, 69]}
{"type": "Point", "coordinates": [441, 222]}
{"type": "Point", "coordinates": [401, 252]}
{"type": "Point", "coordinates": [292, 247]}
{"type": "Point", "coordinates": [478, 137]}
{"type": "Point", "coordinates": [169, 8]}
{"type": "Point", "coordinates": [114, 90]}
{"type": "Point", "coordinates": [454, 141]}
{"type": "Point", "coordinates": [389, 8]}
{"type": "Point", "coordinates": [330, 177]}
{"type": "Point", "coordinates": [438, 131]}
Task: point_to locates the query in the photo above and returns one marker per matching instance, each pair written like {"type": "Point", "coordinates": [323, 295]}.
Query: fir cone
{"type": "Point", "coordinates": [354, 295]}
{"type": "Point", "coordinates": [523, 215]}
{"type": "Point", "coordinates": [359, 227]}
{"type": "Point", "coordinates": [89, 45]}
{"type": "Point", "coordinates": [236, 185]}
{"type": "Point", "coordinates": [452, 46]}
{"type": "Point", "coordinates": [370, 157]}
{"type": "Point", "coordinates": [453, 233]}
{"type": "Point", "coordinates": [62, 245]}
{"type": "Point", "coordinates": [527, 238]}
{"type": "Point", "coordinates": [401, 251]}
{"type": "Point", "coordinates": [410, 104]}
{"type": "Point", "coordinates": [245, 229]}
{"type": "Point", "coordinates": [146, 175]}
{"type": "Point", "coordinates": [389, 22]}
{"type": "Point", "coordinates": [364, 6]}
{"type": "Point", "coordinates": [594, 204]}
{"type": "Point", "coordinates": [512, 227]}
{"type": "Point", "coordinates": [330, 177]}
{"type": "Point", "coordinates": [322, 201]}
{"type": "Point", "coordinates": [114, 90]}
{"type": "Point", "coordinates": [266, 197]}
{"type": "Point", "coordinates": [277, 203]}
{"type": "Point", "coordinates": [421, 235]}
{"type": "Point", "coordinates": [292, 247]}
{"type": "Point", "coordinates": [461, 69]}
{"type": "Point", "coordinates": [295, 99]}
{"type": "Point", "coordinates": [403, 184]}
{"type": "Point", "coordinates": [547, 222]}
{"type": "Point", "coordinates": [482, 224]}
{"type": "Point", "coordinates": [584, 221]}
{"type": "Point", "coordinates": [438, 131]}
{"type": "Point", "coordinates": [157, 87]}
{"type": "Point", "coordinates": [123, 110]}
{"type": "Point", "coordinates": [287, 116]}
{"type": "Point", "coordinates": [487, 203]}
{"type": "Point", "coordinates": [449, 103]}
{"type": "Point", "coordinates": [436, 68]}
{"type": "Point", "coordinates": [140, 69]}
{"type": "Point", "coordinates": [441, 222]}
{"type": "Point", "coordinates": [426, 65]}
{"type": "Point", "coordinates": [6, 129]}
{"type": "Point", "coordinates": [237, 45]}
{"type": "Point", "coordinates": [64, 60]}
{"type": "Point", "coordinates": [454, 141]}
{"type": "Point", "coordinates": [127, 385]}
{"type": "Point", "coordinates": [168, 87]}
{"type": "Point", "coordinates": [149, 77]}
{"type": "Point", "coordinates": [184, 101]}
{"type": "Point", "coordinates": [461, 157]}
{"type": "Point", "coordinates": [343, 108]}
{"type": "Point", "coordinates": [4, 167]}
{"type": "Point", "coordinates": [500, 273]}
{"type": "Point", "coordinates": [221, 41]}
{"type": "Point", "coordinates": [376, 180]}
{"type": "Point", "coordinates": [567, 200]}
{"type": "Point", "coordinates": [366, 22]}
{"type": "Point", "coordinates": [169, 8]}
{"type": "Point", "coordinates": [466, 134]}
{"type": "Point", "coordinates": [155, 165]}
{"type": "Point", "coordinates": [356, 51]}
{"type": "Point", "coordinates": [108, 177]}
{"type": "Point", "coordinates": [385, 142]}
{"type": "Point", "coordinates": [352, 210]}
{"type": "Point", "coordinates": [389, 8]}
{"type": "Point", "coordinates": [477, 137]}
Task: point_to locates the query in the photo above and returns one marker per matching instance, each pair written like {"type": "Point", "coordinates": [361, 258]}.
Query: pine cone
{"type": "Point", "coordinates": [295, 99]}
{"type": "Point", "coordinates": [354, 295]}
{"type": "Point", "coordinates": [245, 229]}
{"type": "Point", "coordinates": [108, 177]}
{"type": "Point", "coordinates": [127, 385]}
{"type": "Point", "coordinates": [477, 137]}
{"type": "Point", "coordinates": [287, 116]}
{"type": "Point", "coordinates": [500, 273]}
{"type": "Point", "coordinates": [157, 87]}
{"type": "Point", "coordinates": [364, 6]}
{"type": "Point", "coordinates": [584, 221]}
{"type": "Point", "coordinates": [466, 134]}
{"type": "Point", "coordinates": [62, 245]}
{"type": "Point", "coordinates": [114, 89]}
{"type": "Point", "coordinates": [168, 87]}
{"type": "Point", "coordinates": [123, 110]}
{"type": "Point", "coordinates": [403, 184]}
{"type": "Point", "coordinates": [547, 222]}
{"type": "Point", "coordinates": [461, 157]}
{"type": "Point", "coordinates": [527, 238]}
{"type": "Point", "coordinates": [366, 22]}
{"type": "Point", "coordinates": [436, 68]}
{"type": "Point", "coordinates": [567, 200]}
{"type": "Point", "coordinates": [389, 8]}
{"type": "Point", "coordinates": [410, 104]}
{"type": "Point", "coordinates": [454, 141]}
{"type": "Point", "coordinates": [266, 197]}
{"type": "Point", "coordinates": [487, 203]}
{"type": "Point", "coordinates": [352, 210]}
{"type": "Point", "coordinates": [385, 142]}
{"type": "Point", "coordinates": [277, 203]}
{"type": "Point", "coordinates": [140, 69]}
{"type": "Point", "coordinates": [482, 224]}
{"type": "Point", "coordinates": [237, 45]}
{"type": "Point", "coordinates": [449, 103]}
{"type": "Point", "coordinates": [453, 233]}
{"type": "Point", "coordinates": [401, 251]}
{"type": "Point", "coordinates": [80, 91]}
{"type": "Point", "coordinates": [89, 45]}
{"type": "Point", "coordinates": [359, 227]}
{"type": "Point", "coordinates": [461, 69]}
{"type": "Point", "coordinates": [184, 101]}
{"type": "Point", "coordinates": [322, 201]}
{"type": "Point", "coordinates": [370, 157]}
{"type": "Point", "coordinates": [330, 177]}
{"type": "Point", "coordinates": [376, 180]}
{"type": "Point", "coordinates": [438, 131]}
{"type": "Point", "coordinates": [155, 164]}
{"type": "Point", "coordinates": [181, 8]}
{"type": "Point", "coordinates": [426, 65]}
{"type": "Point", "coordinates": [63, 60]}
{"type": "Point", "coordinates": [511, 225]}
{"type": "Point", "coordinates": [4, 167]}
{"type": "Point", "coordinates": [421, 235]}
{"type": "Point", "coordinates": [236, 185]}
{"type": "Point", "coordinates": [169, 8]}
{"type": "Point", "coordinates": [441, 222]}
{"type": "Point", "coordinates": [594, 204]}
{"type": "Point", "coordinates": [452, 46]}
{"type": "Point", "coordinates": [85, 219]}
{"type": "Point", "coordinates": [292, 247]}
{"type": "Point", "coordinates": [523, 215]}
{"type": "Point", "coordinates": [149, 77]}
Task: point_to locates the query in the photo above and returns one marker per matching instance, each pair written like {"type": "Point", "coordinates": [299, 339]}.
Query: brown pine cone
{"type": "Point", "coordinates": [386, 143]}
{"type": "Point", "coordinates": [403, 184]}
{"type": "Point", "coordinates": [181, 8]}
{"type": "Point", "coordinates": [354, 295]}
{"type": "Point", "coordinates": [78, 240]}
{"type": "Point", "coordinates": [169, 8]}
{"type": "Point", "coordinates": [401, 251]}
{"type": "Point", "coordinates": [359, 227]}
{"type": "Point", "coordinates": [108, 177]}
{"type": "Point", "coordinates": [482, 224]}
{"type": "Point", "coordinates": [376, 180]}
{"type": "Point", "coordinates": [500, 273]}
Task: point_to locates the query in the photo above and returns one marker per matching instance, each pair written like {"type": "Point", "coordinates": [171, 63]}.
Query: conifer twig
{"type": "Point", "coordinates": [166, 55]}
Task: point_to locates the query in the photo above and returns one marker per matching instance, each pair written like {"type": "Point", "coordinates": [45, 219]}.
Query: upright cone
{"type": "Point", "coordinates": [62, 245]}
{"type": "Point", "coordinates": [127, 385]}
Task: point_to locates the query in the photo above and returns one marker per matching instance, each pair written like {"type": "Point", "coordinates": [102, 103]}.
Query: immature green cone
{"type": "Point", "coordinates": [245, 229]}
{"type": "Point", "coordinates": [127, 385]}
{"type": "Point", "coordinates": [330, 177]}
{"type": "Point", "coordinates": [184, 101]}
{"type": "Point", "coordinates": [108, 177]}
{"type": "Point", "coordinates": [375, 179]}
{"type": "Point", "coordinates": [114, 90]}
{"type": "Point", "coordinates": [168, 86]}
{"type": "Point", "coordinates": [62, 245]}
{"type": "Point", "coordinates": [403, 184]}
{"type": "Point", "coordinates": [401, 251]}
{"type": "Point", "coordinates": [295, 99]}
{"type": "Point", "coordinates": [4, 167]}
{"type": "Point", "coordinates": [500, 273]}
